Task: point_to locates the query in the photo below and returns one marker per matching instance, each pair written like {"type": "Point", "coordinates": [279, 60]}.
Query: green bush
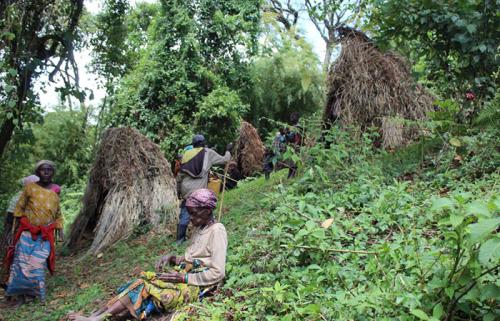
{"type": "Point", "coordinates": [219, 114]}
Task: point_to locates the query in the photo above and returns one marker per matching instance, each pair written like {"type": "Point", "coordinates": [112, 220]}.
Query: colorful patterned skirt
{"type": "Point", "coordinates": [149, 294]}
{"type": "Point", "coordinates": [27, 273]}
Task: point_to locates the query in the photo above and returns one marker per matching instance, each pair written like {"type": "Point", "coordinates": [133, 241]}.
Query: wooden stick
{"type": "Point", "coordinates": [223, 191]}
{"type": "Point", "coordinates": [331, 250]}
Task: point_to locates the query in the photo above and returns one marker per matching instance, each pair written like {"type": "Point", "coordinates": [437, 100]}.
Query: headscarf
{"type": "Point", "coordinates": [45, 162]}
{"type": "Point", "coordinates": [202, 198]}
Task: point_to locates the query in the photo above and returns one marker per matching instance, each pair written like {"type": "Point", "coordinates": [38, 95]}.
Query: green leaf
{"type": "Point", "coordinates": [489, 317]}
{"type": "Point", "coordinates": [490, 250]}
{"type": "Point", "coordinates": [441, 203]}
{"type": "Point", "coordinates": [302, 232]}
{"type": "Point", "coordinates": [482, 48]}
{"type": "Point", "coordinates": [477, 207]}
{"type": "Point", "coordinates": [455, 142]}
{"type": "Point", "coordinates": [319, 233]}
{"type": "Point", "coordinates": [483, 228]}
{"type": "Point", "coordinates": [471, 28]}
{"type": "Point", "coordinates": [419, 314]}
{"type": "Point", "coordinates": [450, 292]}
{"type": "Point", "coordinates": [437, 312]}
{"type": "Point", "coordinates": [456, 220]}
{"type": "Point", "coordinates": [9, 35]}
{"type": "Point", "coordinates": [12, 72]}
{"type": "Point", "coordinates": [11, 104]}
{"type": "Point", "coordinates": [312, 309]}
{"type": "Point", "coordinates": [490, 291]}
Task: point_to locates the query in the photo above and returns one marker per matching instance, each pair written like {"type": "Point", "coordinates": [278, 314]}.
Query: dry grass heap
{"type": "Point", "coordinates": [130, 184]}
{"type": "Point", "coordinates": [368, 87]}
{"type": "Point", "coordinates": [249, 150]}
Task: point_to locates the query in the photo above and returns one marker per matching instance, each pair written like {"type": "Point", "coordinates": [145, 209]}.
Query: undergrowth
{"type": "Point", "coordinates": [361, 234]}
{"type": "Point", "coordinates": [364, 236]}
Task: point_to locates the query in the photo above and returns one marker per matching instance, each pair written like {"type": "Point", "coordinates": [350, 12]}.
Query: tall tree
{"type": "Point", "coordinates": [328, 15]}
{"type": "Point", "coordinates": [194, 47]}
{"type": "Point", "coordinates": [37, 37]}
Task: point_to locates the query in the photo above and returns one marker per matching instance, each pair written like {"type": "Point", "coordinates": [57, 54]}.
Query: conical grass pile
{"type": "Point", "coordinates": [249, 150]}
{"type": "Point", "coordinates": [130, 185]}
{"type": "Point", "coordinates": [367, 87]}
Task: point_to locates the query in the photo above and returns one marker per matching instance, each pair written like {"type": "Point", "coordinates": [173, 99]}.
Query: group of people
{"type": "Point", "coordinates": [34, 221]}
{"type": "Point", "coordinates": [274, 156]}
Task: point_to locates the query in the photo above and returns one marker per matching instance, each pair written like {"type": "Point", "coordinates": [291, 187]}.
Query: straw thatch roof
{"type": "Point", "coordinates": [368, 87]}
{"type": "Point", "coordinates": [131, 184]}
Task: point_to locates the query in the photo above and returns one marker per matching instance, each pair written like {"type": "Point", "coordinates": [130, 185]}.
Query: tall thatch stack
{"type": "Point", "coordinates": [249, 150]}
{"type": "Point", "coordinates": [130, 184]}
{"type": "Point", "coordinates": [370, 88]}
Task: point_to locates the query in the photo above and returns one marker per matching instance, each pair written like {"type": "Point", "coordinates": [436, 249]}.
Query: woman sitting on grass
{"type": "Point", "coordinates": [202, 267]}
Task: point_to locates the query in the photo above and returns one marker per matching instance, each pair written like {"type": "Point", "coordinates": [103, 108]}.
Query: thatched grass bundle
{"type": "Point", "coordinates": [130, 184]}
{"type": "Point", "coordinates": [249, 150]}
{"type": "Point", "coordinates": [366, 86]}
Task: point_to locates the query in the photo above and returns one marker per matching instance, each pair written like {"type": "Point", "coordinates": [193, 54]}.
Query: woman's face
{"type": "Point", "coordinates": [45, 172]}
{"type": "Point", "coordinates": [199, 215]}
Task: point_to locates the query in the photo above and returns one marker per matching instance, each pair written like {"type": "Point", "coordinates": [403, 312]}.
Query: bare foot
{"type": "Point", "coordinates": [79, 317]}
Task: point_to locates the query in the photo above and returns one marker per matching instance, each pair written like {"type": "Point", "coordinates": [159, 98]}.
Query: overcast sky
{"type": "Point", "coordinates": [50, 98]}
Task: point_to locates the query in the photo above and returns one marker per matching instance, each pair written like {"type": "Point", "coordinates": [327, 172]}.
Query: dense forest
{"type": "Point", "coordinates": [394, 212]}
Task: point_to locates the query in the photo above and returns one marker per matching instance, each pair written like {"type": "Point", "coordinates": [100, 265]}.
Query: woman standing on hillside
{"type": "Point", "coordinates": [37, 216]}
{"type": "Point", "coordinates": [8, 229]}
{"type": "Point", "coordinates": [201, 268]}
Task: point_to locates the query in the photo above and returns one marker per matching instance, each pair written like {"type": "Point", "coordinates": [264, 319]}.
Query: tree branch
{"type": "Point", "coordinates": [287, 16]}
{"type": "Point", "coordinates": [331, 250]}
{"type": "Point", "coordinates": [315, 21]}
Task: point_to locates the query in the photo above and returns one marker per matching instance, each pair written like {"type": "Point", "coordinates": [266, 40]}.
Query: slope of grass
{"type": "Point", "coordinates": [359, 235]}
{"type": "Point", "coordinates": [82, 282]}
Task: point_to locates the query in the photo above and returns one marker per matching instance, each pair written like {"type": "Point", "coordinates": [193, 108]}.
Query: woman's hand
{"type": "Point", "coordinates": [172, 277]}
{"type": "Point", "coordinates": [168, 260]}
{"type": "Point", "coordinates": [164, 260]}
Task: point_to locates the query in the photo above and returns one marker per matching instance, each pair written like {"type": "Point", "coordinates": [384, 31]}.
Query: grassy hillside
{"type": "Point", "coordinates": [360, 235]}
{"type": "Point", "coordinates": [366, 235]}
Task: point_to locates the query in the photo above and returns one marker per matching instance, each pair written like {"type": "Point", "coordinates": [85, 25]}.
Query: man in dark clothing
{"type": "Point", "coordinates": [269, 158]}
{"type": "Point", "coordinates": [234, 175]}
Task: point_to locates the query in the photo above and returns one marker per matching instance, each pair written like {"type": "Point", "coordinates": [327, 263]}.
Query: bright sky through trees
{"type": "Point", "coordinates": [50, 97]}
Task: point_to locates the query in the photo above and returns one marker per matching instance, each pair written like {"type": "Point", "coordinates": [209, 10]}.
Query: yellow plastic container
{"type": "Point", "coordinates": [215, 185]}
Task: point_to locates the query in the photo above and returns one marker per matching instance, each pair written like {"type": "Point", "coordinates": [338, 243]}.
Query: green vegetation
{"type": "Point", "coordinates": [407, 243]}
{"type": "Point", "coordinates": [417, 246]}
{"type": "Point", "coordinates": [360, 234]}
{"type": "Point", "coordinates": [455, 41]}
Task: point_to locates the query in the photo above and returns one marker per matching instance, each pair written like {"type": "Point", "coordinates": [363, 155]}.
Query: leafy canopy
{"type": "Point", "coordinates": [457, 41]}
{"type": "Point", "coordinates": [193, 48]}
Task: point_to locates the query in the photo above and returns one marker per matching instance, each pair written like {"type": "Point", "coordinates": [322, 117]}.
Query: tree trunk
{"type": "Point", "coordinates": [328, 56]}
{"type": "Point", "coordinates": [6, 134]}
{"type": "Point", "coordinates": [8, 125]}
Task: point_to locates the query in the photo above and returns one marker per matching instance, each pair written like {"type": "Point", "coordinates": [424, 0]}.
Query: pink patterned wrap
{"type": "Point", "coordinates": [202, 198]}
